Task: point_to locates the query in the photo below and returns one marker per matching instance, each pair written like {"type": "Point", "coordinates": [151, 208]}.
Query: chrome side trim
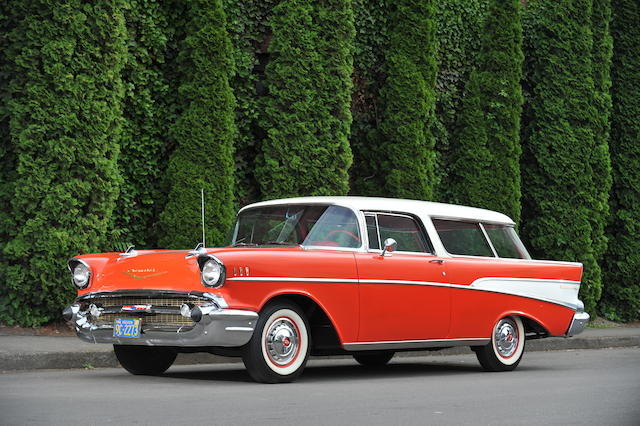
{"type": "Point", "coordinates": [414, 344]}
{"type": "Point", "coordinates": [295, 280]}
{"type": "Point", "coordinates": [570, 301]}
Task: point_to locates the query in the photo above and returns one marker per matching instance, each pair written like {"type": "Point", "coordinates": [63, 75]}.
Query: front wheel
{"type": "Point", "coordinates": [506, 348]}
{"type": "Point", "coordinates": [145, 360]}
{"type": "Point", "coordinates": [279, 348]}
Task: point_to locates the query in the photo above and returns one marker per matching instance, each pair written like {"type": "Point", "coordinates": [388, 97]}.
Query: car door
{"type": "Point", "coordinates": [403, 294]}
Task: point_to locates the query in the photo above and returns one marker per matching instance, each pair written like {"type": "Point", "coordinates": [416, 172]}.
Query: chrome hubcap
{"type": "Point", "coordinates": [282, 341]}
{"type": "Point", "coordinates": [506, 337]}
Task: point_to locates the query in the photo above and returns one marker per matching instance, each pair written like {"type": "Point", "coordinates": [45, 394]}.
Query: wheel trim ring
{"type": "Point", "coordinates": [297, 342]}
{"type": "Point", "coordinates": [517, 352]}
{"type": "Point", "coordinates": [507, 350]}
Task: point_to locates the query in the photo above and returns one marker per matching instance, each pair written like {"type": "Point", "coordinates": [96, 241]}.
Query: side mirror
{"type": "Point", "coordinates": [389, 246]}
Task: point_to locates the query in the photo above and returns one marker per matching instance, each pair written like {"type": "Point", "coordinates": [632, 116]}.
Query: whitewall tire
{"type": "Point", "coordinates": [279, 348]}
{"type": "Point", "coordinates": [506, 348]}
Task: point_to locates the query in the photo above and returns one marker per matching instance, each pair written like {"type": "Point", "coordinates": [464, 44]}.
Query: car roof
{"type": "Point", "coordinates": [415, 207]}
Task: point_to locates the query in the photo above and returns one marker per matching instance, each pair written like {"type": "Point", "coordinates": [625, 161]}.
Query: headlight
{"type": "Point", "coordinates": [211, 272]}
{"type": "Point", "coordinates": [80, 273]}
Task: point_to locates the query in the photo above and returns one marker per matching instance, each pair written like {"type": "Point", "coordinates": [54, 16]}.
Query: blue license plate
{"type": "Point", "coordinates": [126, 327]}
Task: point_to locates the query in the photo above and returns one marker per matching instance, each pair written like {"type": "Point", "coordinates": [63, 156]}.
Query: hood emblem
{"type": "Point", "coordinates": [140, 274]}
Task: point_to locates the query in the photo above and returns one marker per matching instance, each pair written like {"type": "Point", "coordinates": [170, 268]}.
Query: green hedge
{"type": "Point", "coordinates": [621, 299]}
{"type": "Point", "coordinates": [146, 119]}
{"type": "Point", "coordinates": [204, 134]}
{"type": "Point", "coordinates": [407, 97]}
{"type": "Point", "coordinates": [485, 169]}
{"type": "Point", "coordinates": [306, 111]}
{"type": "Point", "coordinates": [65, 115]}
{"type": "Point", "coordinates": [247, 23]}
{"type": "Point", "coordinates": [560, 194]}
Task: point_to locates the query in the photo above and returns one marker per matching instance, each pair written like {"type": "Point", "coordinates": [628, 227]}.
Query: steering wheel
{"type": "Point", "coordinates": [342, 231]}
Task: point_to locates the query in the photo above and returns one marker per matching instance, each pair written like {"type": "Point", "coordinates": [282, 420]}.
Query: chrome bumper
{"type": "Point", "coordinates": [579, 322]}
{"type": "Point", "coordinates": [216, 327]}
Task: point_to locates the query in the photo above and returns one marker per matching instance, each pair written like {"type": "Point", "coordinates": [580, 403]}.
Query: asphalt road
{"type": "Point", "coordinates": [599, 387]}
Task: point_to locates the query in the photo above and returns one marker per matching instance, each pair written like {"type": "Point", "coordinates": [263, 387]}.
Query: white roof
{"type": "Point", "coordinates": [415, 207]}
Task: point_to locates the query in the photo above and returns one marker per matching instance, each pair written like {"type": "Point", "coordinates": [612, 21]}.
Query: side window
{"type": "Point", "coordinates": [372, 231]}
{"type": "Point", "coordinates": [462, 238]}
{"type": "Point", "coordinates": [506, 241]}
{"type": "Point", "coordinates": [337, 227]}
{"type": "Point", "coordinates": [404, 229]}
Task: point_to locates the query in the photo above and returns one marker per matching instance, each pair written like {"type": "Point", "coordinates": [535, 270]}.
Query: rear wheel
{"type": "Point", "coordinates": [506, 348]}
{"type": "Point", "coordinates": [373, 359]}
{"type": "Point", "coordinates": [279, 348]}
{"type": "Point", "coordinates": [145, 360]}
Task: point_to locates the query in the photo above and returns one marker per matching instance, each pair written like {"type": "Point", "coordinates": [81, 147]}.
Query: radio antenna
{"type": "Point", "coordinates": [202, 199]}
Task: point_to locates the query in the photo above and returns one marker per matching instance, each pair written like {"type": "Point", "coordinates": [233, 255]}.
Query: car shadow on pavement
{"type": "Point", "coordinates": [317, 373]}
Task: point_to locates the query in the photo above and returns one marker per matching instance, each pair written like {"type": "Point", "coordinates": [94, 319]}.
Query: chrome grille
{"type": "Point", "coordinates": [169, 320]}
{"type": "Point", "coordinates": [159, 320]}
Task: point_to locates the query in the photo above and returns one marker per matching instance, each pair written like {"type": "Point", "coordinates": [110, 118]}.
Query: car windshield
{"type": "Point", "coordinates": [307, 225]}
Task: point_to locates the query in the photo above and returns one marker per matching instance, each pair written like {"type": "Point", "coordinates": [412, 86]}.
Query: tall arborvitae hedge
{"type": "Point", "coordinates": [406, 152]}
{"type": "Point", "coordinates": [204, 133]}
{"type": "Point", "coordinates": [247, 23]}
{"type": "Point", "coordinates": [306, 112]}
{"type": "Point", "coordinates": [600, 160]}
{"type": "Point", "coordinates": [7, 157]}
{"type": "Point", "coordinates": [486, 167]}
{"type": "Point", "coordinates": [459, 34]}
{"type": "Point", "coordinates": [143, 157]}
{"type": "Point", "coordinates": [621, 300]}
{"type": "Point", "coordinates": [560, 194]}
{"type": "Point", "coordinates": [65, 110]}
{"type": "Point", "coordinates": [368, 75]}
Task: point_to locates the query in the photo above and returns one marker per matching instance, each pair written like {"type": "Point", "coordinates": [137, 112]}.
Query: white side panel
{"type": "Point", "coordinates": [556, 291]}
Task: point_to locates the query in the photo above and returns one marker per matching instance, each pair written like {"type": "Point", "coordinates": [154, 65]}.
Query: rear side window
{"type": "Point", "coordinates": [404, 229]}
{"type": "Point", "coordinates": [506, 241]}
{"type": "Point", "coordinates": [463, 238]}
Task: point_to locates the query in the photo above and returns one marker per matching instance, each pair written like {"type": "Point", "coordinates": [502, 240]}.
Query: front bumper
{"type": "Point", "coordinates": [216, 325]}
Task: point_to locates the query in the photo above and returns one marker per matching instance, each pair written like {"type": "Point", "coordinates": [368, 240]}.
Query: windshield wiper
{"type": "Point", "coordinates": [281, 243]}
{"type": "Point", "coordinates": [241, 244]}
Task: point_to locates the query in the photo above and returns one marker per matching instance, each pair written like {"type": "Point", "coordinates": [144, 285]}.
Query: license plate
{"type": "Point", "coordinates": [126, 327]}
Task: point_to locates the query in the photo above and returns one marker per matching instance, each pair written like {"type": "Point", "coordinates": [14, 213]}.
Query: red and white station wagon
{"type": "Point", "coordinates": [330, 275]}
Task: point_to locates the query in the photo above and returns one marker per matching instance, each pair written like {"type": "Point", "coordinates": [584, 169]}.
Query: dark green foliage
{"type": "Point", "coordinates": [247, 23]}
{"type": "Point", "coordinates": [485, 169]}
{"type": "Point", "coordinates": [406, 151]}
{"type": "Point", "coordinates": [306, 114]}
{"type": "Point", "coordinates": [368, 75]}
{"type": "Point", "coordinates": [621, 299]}
{"type": "Point", "coordinates": [459, 32]}
{"type": "Point", "coordinates": [204, 134]}
{"type": "Point", "coordinates": [600, 158]}
{"type": "Point", "coordinates": [64, 111]}
{"type": "Point", "coordinates": [143, 157]}
{"type": "Point", "coordinates": [560, 193]}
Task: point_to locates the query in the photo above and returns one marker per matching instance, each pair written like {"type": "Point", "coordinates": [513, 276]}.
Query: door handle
{"type": "Point", "coordinates": [438, 261]}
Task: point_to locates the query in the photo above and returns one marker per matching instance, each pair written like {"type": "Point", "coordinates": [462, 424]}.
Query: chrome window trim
{"type": "Point", "coordinates": [486, 237]}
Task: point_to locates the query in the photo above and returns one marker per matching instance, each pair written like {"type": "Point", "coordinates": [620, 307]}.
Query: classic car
{"type": "Point", "coordinates": [330, 275]}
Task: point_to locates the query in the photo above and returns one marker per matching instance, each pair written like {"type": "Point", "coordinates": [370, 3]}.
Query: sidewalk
{"type": "Point", "coordinates": [61, 352]}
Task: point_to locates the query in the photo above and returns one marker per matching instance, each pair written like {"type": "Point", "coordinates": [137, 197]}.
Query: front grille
{"type": "Point", "coordinates": [156, 320]}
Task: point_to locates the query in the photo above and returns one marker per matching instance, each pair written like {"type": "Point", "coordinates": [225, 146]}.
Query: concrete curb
{"type": "Point", "coordinates": [102, 356]}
